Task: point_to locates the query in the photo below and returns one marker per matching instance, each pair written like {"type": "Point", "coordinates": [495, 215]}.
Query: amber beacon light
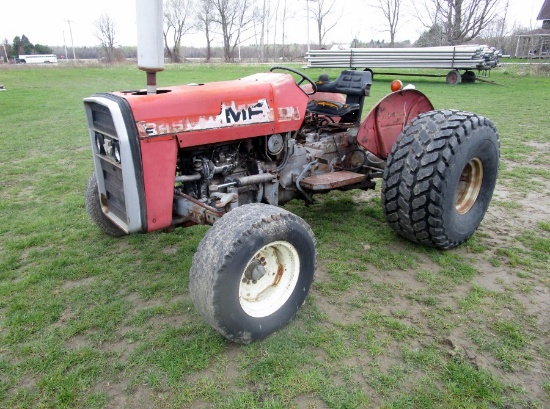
{"type": "Point", "coordinates": [396, 85]}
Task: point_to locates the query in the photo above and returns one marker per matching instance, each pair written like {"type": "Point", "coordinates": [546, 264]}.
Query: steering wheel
{"type": "Point", "coordinates": [303, 78]}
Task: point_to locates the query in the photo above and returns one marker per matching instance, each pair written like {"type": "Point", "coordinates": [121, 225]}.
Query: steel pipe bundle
{"type": "Point", "coordinates": [450, 57]}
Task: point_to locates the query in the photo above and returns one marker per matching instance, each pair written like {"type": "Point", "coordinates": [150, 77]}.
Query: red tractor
{"type": "Point", "coordinates": [229, 153]}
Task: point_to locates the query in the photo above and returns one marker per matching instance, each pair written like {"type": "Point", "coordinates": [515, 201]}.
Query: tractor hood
{"type": "Point", "coordinates": [260, 104]}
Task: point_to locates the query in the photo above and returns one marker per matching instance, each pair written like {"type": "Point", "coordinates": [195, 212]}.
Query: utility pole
{"type": "Point", "coordinates": [307, 9]}
{"type": "Point", "coordinates": [65, 45]}
{"type": "Point", "coordinates": [72, 42]}
{"type": "Point", "coordinates": [6, 53]}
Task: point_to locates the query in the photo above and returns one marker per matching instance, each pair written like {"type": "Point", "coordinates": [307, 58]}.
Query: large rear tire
{"type": "Point", "coordinates": [252, 271]}
{"type": "Point", "coordinates": [93, 207]}
{"type": "Point", "coordinates": [440, 176]}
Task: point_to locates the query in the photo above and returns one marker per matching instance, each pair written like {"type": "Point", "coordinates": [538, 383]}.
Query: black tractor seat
{"type": "Point", "coordinates": [355, 85]}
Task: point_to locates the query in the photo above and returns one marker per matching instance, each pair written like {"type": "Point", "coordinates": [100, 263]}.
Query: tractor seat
{"type": "Point", "coordinates": [354, 85]}
{"type": "Point", "coordinates": [331, 108]}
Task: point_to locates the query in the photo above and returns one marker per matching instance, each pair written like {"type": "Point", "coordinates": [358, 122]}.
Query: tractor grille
{"type": "Point", "coordinates": [111, 170]}
{"type": "Point", "coordinates": [114, 186]}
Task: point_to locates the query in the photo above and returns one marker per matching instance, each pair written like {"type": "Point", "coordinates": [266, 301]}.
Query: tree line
{"type": "Point", "coordinates": [263, 26]}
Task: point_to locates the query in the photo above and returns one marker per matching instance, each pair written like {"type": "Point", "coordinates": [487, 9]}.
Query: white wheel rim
{"type": "Point", "coordinates": [269, 279]}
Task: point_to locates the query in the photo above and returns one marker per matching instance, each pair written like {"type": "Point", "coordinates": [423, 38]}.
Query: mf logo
{"type": "Point", "coordinates": [229, 115]}
{"type": "Point", "coordinates": [232, 116]}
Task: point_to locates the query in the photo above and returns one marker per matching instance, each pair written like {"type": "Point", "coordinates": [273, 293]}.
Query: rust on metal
{"type": "Point", "coordinates": [469, 185]}
{"type": "Point", "coordinates": [332, 180]}
{"type": "Point", "coordinates": [280, 271]}
{"type": "Point", "coordinates": [103, 199]}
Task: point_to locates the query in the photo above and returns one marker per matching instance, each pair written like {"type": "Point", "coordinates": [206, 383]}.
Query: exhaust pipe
{"type": "Point", "coordinates": [150, 40]}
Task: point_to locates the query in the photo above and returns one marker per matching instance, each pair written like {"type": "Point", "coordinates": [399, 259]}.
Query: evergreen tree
{"type": "Point", "coordinates": [22, 45]}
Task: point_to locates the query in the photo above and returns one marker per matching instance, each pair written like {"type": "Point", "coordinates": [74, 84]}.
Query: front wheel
{"type": "Point", "coordinates": [440, 176]}
{"type": "Point", "coordinates": [93, 207]}
{"type": "Point", "coordinates": [252, 271]}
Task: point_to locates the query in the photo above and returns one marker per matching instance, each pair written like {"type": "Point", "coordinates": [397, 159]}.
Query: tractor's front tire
{"type": "Point", "coordinates": [93, 207]}
{"type": "Point", "coordinates": [440, 176]}
{"type": "Point", "coordinates": [252, 271]}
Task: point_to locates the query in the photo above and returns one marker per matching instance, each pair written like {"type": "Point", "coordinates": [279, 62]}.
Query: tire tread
{"type": "Point", "coordinates": [218, 248]}
{"type": "Point", "coordinates": [93, 207]}
{"type": "Point", "coordinates": [414, 179]}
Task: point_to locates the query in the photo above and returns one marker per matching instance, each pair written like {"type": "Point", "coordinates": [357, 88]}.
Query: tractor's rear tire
{"type": "Point", "coordinates": [93, 207]}
{"type": "Point", "coordinates": [252, 271]}
{"type": "Point", "coordinates": [440, 176]}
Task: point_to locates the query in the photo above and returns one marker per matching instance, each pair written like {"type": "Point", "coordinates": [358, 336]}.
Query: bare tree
{"type": "Point", "coordinates": [497, 29]}
{"type": "Point", "coordinates": [177, 20]}
{"type": "Point", "coordinates": [283, 27]}
{"type": "Point", "coordinates": [323, 14]}
{"type": "Point", "coordinates": [391, 11]}
{"type": "Point", "coordinates": [105, 33]}
{"type": "Point", "coordinates": [460, 20]}
{"type": "Point", "coordinates": [204, 16]}
{"type": "Point", "coordinates": [261, 26]}
{"type": "Point", "coordinates": [281, 14]}
{"type": "Point", "coordinates": [270, 14]}
{"type": "Point", "coordinates": [234, 17]}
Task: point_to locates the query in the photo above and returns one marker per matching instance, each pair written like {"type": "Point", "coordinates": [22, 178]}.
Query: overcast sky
{"type": "Point", "coordinates": [45, 22]}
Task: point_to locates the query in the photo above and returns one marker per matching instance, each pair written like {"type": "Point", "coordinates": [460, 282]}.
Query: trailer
{"type": "Point", "coordinates": [466, 58]}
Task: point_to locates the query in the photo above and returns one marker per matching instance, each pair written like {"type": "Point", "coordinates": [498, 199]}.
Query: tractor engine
{"type": "Point", "coordinates": [264, 169]}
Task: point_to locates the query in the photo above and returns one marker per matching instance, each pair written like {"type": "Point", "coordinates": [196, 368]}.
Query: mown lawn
{"type": "Point", "coordinates": [90, 321]}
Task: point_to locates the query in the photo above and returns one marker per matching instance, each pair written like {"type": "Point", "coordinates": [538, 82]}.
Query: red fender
{"type": "Point", "coordinates": [159, 155]}
{"type": "Point", "coordinates": [385, 121]}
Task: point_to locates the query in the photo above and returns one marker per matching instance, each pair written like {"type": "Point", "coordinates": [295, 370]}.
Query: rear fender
{"type": "Point", "coordinates": [387, 119]}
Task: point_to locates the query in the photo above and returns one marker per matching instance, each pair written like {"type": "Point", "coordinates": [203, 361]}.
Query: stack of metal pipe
{"type": "Point", "coordinates": [450, 57]}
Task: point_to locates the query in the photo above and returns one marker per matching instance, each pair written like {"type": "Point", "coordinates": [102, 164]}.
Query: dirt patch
{"type": "Point", "coordinates": [70, 284]}
{"type": "Point", "coordinates": [77, 341]}
{"type": "Point", "coordinates": [122, 396]}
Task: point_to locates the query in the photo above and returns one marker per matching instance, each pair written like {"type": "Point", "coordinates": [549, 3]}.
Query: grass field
{"type": "Point", "coordinates": [90, 321]}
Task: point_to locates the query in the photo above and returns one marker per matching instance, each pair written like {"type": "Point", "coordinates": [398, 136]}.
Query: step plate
{"type": "Point", "coordinates": [332, 180]}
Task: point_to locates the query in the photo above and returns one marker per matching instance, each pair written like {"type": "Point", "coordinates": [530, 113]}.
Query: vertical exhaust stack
{"type": "Point", "coordinates": [150, 40]}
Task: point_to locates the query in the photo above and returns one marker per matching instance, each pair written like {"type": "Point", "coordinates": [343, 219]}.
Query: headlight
{"type": "Point", "coordinates": [116, 151]}
{"type": "Point", "coordinates": [99, 144]}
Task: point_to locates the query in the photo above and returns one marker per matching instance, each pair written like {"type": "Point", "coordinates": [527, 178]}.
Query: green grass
{"type": "Point", "coordinates": [88, 321]}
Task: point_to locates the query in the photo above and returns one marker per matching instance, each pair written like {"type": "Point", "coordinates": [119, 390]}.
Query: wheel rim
{"type": "Point", "coordinates": [269, 279]}
{"type": "Point", "coordinates": [453, 77]}
{"type": "Point", "coordinates": [469, 185]}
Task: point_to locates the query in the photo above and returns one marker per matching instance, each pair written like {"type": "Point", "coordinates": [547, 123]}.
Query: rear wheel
{"type": "Point", "coordinates": [93, 207]}
{"type": "Point", "coordinates": [440, 177]}
{"type": "Point", "coordinates": [469, 77]}
{"type": "Point", "coordinates": [252, 271]}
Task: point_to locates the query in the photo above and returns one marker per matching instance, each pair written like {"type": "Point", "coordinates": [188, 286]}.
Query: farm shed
{"type": "Point", "coordinates": [536, 43]}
